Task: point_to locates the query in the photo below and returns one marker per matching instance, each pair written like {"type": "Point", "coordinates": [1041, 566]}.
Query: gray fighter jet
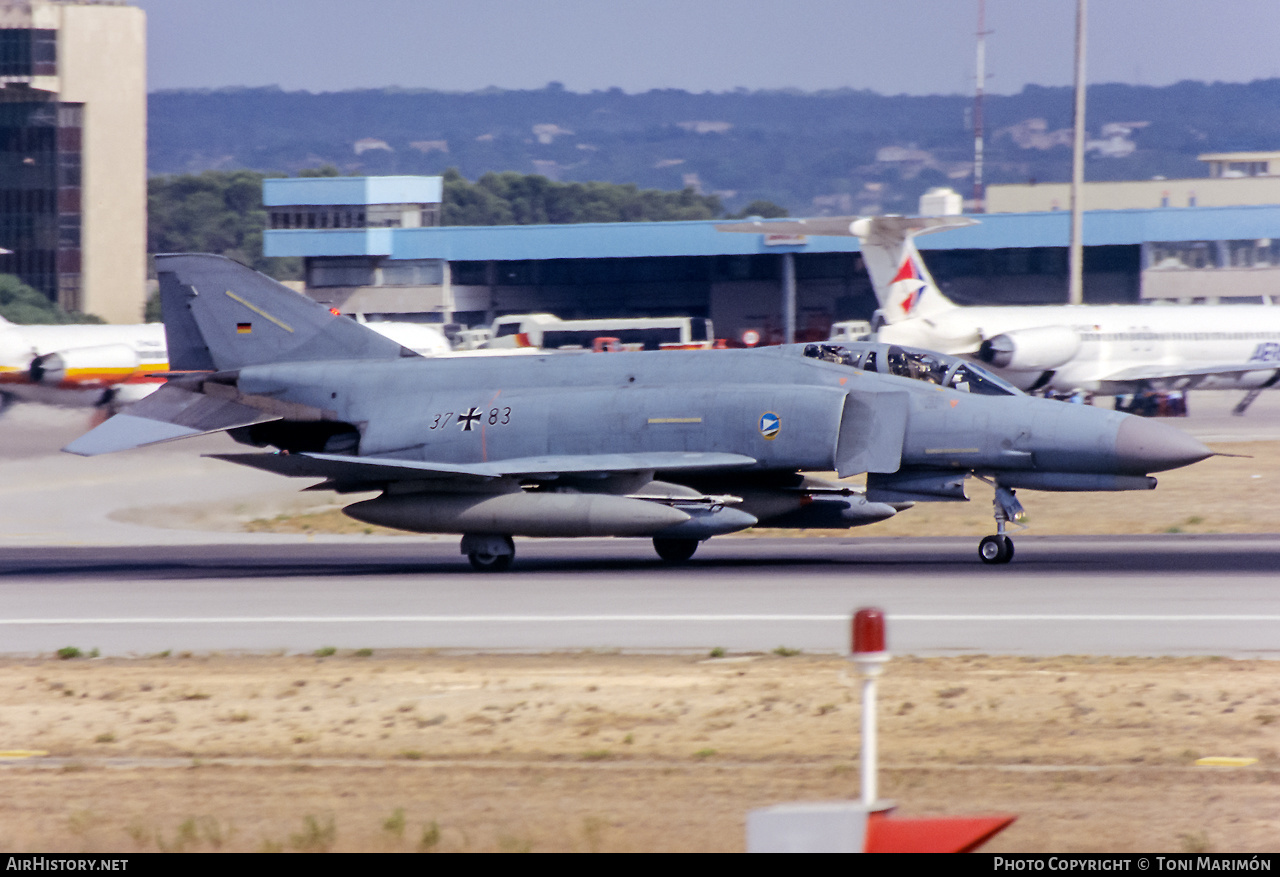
{"type": "Point", "coordinates": [676, 446]}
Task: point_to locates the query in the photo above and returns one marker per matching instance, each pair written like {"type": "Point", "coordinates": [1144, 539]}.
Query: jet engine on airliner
{"type": "Point", "coordinates": [86, 367]}
{"type": "Point", "coordinates": [1038, 349]}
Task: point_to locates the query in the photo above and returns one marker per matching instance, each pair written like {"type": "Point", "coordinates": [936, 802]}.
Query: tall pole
{"type": "Point", "coordinates": [870, 749]}
{"type": "Point", "coordinates": [1075, 282]}
{"type": "Point", "coordinates": [979, 196]}
{"type": "Point", "coordinates": [789, 298]}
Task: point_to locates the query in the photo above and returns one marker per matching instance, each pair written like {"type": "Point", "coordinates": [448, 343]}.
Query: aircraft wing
{"type": "Point", "coordinates": [347, 471]}
{"type": "Point", "coordinates": [1158, 372]}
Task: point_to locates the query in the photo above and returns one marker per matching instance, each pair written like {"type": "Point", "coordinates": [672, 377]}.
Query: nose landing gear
{"type": "Point", "coordinates": [999, 548]}
{"type": "Point", "coordinates": [996, 549]}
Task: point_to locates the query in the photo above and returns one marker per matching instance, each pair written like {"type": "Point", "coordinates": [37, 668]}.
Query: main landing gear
{"type": "Point", "coordinates": [675, 550]}
{"type": "Point", "coordinates": [999, 548]}
{"type": "Point", "coordinates": [489, 553]}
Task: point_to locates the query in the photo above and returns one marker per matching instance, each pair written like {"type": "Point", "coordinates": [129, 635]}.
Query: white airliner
{"type": "Point", "coordinates": [1144, 350]}
{"type": "Point", "coordinates": [108, 366]}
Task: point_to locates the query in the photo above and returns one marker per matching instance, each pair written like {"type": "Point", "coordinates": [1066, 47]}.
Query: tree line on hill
{"type": "Point", "coordinates": [815, 153]}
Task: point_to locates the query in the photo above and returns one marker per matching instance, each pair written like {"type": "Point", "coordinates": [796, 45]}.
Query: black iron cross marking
{"type": "Point", "coordinates": [469, 419]}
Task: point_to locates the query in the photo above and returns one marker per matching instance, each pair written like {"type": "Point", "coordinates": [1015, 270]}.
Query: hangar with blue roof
{"type": "Point", "coordinates": [372, 245]}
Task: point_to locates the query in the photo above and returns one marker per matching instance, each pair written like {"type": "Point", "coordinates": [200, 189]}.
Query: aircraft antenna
{"type": "Point", "coordinates": [1075, 283]}
{"type": "Point", "coordinates": [979, 199]}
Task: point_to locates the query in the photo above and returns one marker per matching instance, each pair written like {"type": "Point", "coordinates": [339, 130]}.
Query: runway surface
{"type": "Point", "coordinates": [1163, 595]}
{"type": "Point", "coordinates": [107, 553]}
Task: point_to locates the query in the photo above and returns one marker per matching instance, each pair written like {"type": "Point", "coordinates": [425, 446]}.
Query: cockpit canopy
{"type": "Point", "coordinates": [911, 362]}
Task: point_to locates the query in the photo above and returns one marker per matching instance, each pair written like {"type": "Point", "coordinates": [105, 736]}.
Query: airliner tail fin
{"type": "Point", "coordinates": [902, 283]}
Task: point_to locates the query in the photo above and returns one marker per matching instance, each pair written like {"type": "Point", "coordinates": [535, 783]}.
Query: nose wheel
{"type": "Point", "coordinates": [999, 548]}
{"type": "Point", "coordinates": [996, 549]}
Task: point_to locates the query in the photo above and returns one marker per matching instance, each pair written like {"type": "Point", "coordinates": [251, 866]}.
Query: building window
{"type": "Point", "coordinates": [339, 272]}
{"type": "Point", "coordinates": [378, 216]}
{"type": "Point", "coordinates": [469, 273]}
{"type": "Point", "coordinates": [1180, 255]}
{"type": "Point", "coordinates": [412, 272]}
{"type": "Point", "coordinates": [1263, 253]}
{"type": "Point", "coordinates": [40, 192]}
{"type": "Point", "coordinates": [28, 52]}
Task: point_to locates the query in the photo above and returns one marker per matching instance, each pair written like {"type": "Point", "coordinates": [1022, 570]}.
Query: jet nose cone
{"type": "Point", "coordinates": [1144, 446]}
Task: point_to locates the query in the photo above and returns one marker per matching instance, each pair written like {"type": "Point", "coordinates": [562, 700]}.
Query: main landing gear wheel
{"type": "Point", "coordinates": [489, 553]}
{"type": "Point", "coordinates": [484, 562]}
{"type": "Point", "coordinates": [996, 549]}
{"type": "Point", "coordinates": [675, 550]}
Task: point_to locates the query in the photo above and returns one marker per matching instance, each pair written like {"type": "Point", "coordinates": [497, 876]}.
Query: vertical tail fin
{"type": "Point", "coordinates": [220, 315]}
{"type": "Point", "coordinates": [902, 283]}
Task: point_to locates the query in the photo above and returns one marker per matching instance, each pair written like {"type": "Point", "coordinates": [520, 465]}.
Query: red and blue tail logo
{"type": "Point", "coordinates": [910, 275]}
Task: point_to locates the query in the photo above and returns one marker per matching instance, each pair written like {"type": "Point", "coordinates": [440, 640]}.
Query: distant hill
{"type": "Point", "coordinates": [840, 151]}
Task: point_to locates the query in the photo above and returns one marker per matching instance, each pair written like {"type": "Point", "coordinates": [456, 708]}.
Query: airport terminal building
{"type": "Point", "coordinates": [371, 246]}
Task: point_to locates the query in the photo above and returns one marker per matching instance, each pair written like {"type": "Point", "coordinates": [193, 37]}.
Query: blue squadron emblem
{"type": "Point", "coordinates": [770, 423]}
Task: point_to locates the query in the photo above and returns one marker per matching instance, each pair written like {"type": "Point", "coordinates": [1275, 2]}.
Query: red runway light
{"type": "Point", "coordinates": [868, 631]}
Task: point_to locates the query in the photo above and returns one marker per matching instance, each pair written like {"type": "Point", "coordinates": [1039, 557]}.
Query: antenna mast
{"type": "Point", "coordinates": [979, 197]}
{"type": "Point", "coordinates": [1075, 248]}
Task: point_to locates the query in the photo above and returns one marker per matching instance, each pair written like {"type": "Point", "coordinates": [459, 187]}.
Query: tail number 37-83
{"type": "Point", "coordinates": [471, 418]}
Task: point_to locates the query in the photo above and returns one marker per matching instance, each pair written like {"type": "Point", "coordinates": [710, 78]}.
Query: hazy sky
{"type": "Point", "coordinates": [888, 46]}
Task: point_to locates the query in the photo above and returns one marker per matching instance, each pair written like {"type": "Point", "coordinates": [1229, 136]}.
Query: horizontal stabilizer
{"type": "Point", "coordinates": [832, 226]}
{"type": "Point", "coordinates": [167, 414]}
{"type": "Point", "coordinates": [374, 470]}
{"type": "Point", "coordinates": [895, 227]}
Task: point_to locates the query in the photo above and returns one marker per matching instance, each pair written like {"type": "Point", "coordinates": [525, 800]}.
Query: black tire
{"type": "Point", "coordinates": [995, 549]}
{"type": "Point", "coordinates": [482, 562]}
{"type": "Point", "coordinates": [675, 550]}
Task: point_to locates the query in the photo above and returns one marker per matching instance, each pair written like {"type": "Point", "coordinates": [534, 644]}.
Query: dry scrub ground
{"type": "Point", "coordinates": [618, 753]}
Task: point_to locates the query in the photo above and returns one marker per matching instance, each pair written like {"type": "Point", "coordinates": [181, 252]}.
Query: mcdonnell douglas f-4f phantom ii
{"type": "Point", "coordinates": [677, 446]}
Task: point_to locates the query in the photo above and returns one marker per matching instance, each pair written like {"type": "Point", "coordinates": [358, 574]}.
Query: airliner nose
{"type": "Point", "coordinates": [1144, 446]}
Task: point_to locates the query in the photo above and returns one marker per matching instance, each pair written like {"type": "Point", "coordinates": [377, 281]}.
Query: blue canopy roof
{"type": "Point", "coordinates": [640, 239]}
